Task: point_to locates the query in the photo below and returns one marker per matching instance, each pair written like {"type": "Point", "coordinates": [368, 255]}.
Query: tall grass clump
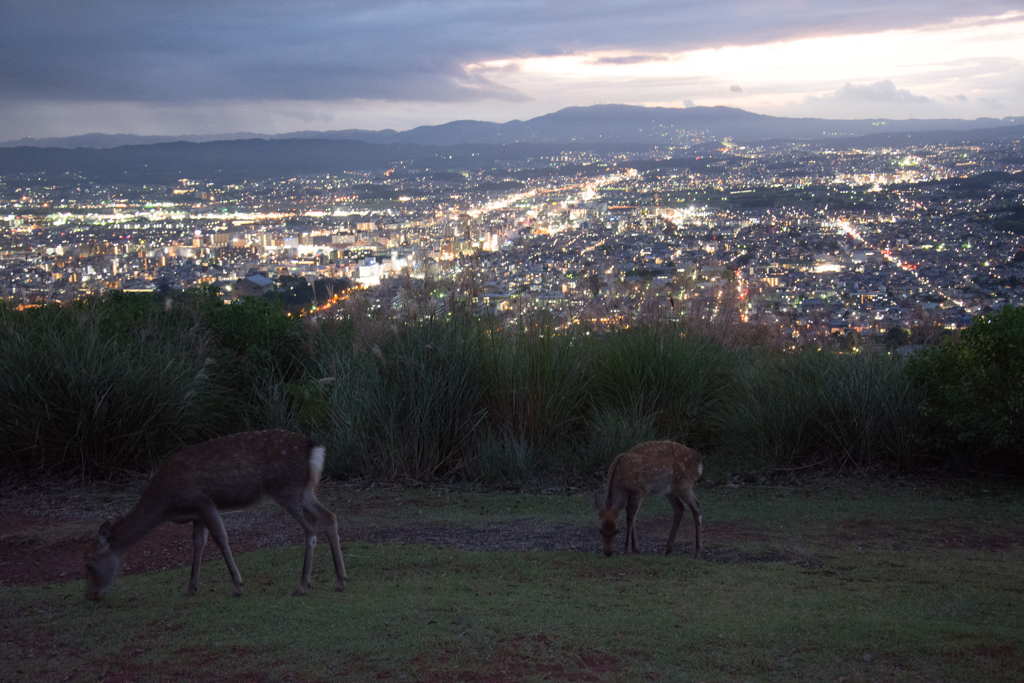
{"type": "Point", "coordinates": [94, 388]}
{"type": "Point", "coordinates": [613, 429]}
{"type": "Point", "coordinates": [120, 381]}
{"type": "Point", "coordinates": [821, 409]}
{"type": "Point", "coordinates": [536, 395]}
{"type": "Point", "coordinates": [667, 382]}
{"type": "Point", "coordinates": [259, 349]}
{"type": "Point", "coordinates": [503, 459]}
{"type": "Point", "coordinates": [406, 407]}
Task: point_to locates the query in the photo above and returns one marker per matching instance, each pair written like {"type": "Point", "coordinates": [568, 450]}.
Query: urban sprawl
{"type": "Point", "coordinates": [807, 242]}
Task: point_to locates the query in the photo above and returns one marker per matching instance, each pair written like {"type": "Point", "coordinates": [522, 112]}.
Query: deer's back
{"type": "Point", "coordinates": [656, 467]}
{"type": "Point", "coordinates": [234, 471]}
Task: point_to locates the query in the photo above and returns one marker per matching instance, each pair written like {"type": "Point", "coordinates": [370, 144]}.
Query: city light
{"type": "Point", "coordinates": [786, 237]}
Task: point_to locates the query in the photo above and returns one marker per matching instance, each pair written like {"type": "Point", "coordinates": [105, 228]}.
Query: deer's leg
{"type": "Point", "coordinates": [213, 522]}
{"type": "Point", "coordinates": [691, 501]}
{"type": "Point", "coordinates": [199, 534]}
{"type": "Point", "coordinates": [307, 519]}
{"type": "Point", "coordinates": [678, 510]}
{"type": "Point", "coordinates": [331, 522]}
{"type": "Point", "coordinates": [632, 506]}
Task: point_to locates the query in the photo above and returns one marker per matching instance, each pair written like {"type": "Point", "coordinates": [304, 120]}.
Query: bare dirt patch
{"type": "Point", "coordinates": [45, 531]}
{"type": "Point", "coordinates": [897, 536]}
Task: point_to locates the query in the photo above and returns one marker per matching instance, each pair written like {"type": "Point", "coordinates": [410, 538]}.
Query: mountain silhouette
{"type": "Point", "coordinates": [460, 145]}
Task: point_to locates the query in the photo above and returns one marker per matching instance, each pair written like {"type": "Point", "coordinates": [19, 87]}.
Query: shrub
{"type": "Point", "coordinates": [974, 393]}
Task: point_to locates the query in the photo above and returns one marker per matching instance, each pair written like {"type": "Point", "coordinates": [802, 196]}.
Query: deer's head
{"type": "Point", "coordinates": [608, 525]}
{"type": "Point", "coordinates": [101, 564]}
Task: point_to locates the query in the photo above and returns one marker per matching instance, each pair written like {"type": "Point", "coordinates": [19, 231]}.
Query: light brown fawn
{"type": "Point", "coordinates": [657, 468]}
{"type": "Point", "coordinates": [225, 474]}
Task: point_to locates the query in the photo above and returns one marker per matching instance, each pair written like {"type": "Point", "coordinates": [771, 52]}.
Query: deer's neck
{"type": "Point", "coordinates": [127, 531]}
{"type": "Point", "coordinates": [613, 495]}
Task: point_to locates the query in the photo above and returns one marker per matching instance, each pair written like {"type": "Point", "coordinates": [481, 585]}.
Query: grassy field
{"type": "Point", "coordinates": [830, 580]}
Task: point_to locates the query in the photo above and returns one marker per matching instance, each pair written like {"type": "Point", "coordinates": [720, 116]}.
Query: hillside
{"type": "Point", "coordinates": [598, 123]}
{"type": "Point", "coordinates": [463, 145]}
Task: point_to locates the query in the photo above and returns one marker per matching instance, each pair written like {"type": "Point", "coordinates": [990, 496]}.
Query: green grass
{"type": "Point", "coordinates": [832, 580]}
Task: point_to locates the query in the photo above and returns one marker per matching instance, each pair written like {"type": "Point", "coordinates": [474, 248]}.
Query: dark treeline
{"type": "Point", "coordinates": [117, 383]}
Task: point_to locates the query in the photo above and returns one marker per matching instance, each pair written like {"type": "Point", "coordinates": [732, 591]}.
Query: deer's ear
{"type": "Point", "coordinates": [103, 537]}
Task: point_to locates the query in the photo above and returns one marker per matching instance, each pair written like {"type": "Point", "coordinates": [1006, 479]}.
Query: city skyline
{"type": "Point", "coordinates": [223, 67]}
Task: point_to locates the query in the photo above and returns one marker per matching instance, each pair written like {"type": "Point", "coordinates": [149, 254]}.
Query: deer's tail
{"type": "Point", "coordinates": [317, 455]}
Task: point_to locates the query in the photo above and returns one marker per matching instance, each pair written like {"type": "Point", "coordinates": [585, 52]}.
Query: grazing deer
{"type": "Point", "coordinates": [225, 474]}
{"type": "Point", "coordinates": [658, 468]}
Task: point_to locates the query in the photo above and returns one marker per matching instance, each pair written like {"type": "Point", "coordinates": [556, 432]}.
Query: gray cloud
{"type": "Point", "coordinates": [189, 51]}
{"type": "Point", "coordinates": [214, 65]}
{"type": "Point", "coordinates": [882, 91]}
{"type": "Point", "coordinates": [631, 59]}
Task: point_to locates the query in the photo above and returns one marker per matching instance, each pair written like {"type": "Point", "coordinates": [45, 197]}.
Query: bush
{"type": "Point", "coordinates": [974, 393]}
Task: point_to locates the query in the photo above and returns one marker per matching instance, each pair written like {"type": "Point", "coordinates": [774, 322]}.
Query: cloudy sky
{"type": "Point", "coordinates": [176, 67]}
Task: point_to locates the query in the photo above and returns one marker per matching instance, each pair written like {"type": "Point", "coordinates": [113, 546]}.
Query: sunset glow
{"type": "Point", "coordinates": [933, 68]}
{"type": "Point", "coordinates": [267, 67]}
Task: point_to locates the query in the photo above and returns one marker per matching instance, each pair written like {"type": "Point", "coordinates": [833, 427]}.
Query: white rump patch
{"type": "Point", "coordinates": [316, 460]}
{"type": "Point", "coordinates": [700, 468]}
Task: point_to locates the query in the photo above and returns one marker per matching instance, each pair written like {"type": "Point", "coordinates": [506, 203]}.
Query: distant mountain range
{"type": "Point", "coordinates": [461, 145]}
{"type": "Point", "coordinates": [602, 123]}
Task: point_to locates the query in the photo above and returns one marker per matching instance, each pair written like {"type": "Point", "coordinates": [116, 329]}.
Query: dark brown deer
{"type": "Point", "coordinates": [230, 473]}
{"type": "Point", "coordinates": [655, 468]}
